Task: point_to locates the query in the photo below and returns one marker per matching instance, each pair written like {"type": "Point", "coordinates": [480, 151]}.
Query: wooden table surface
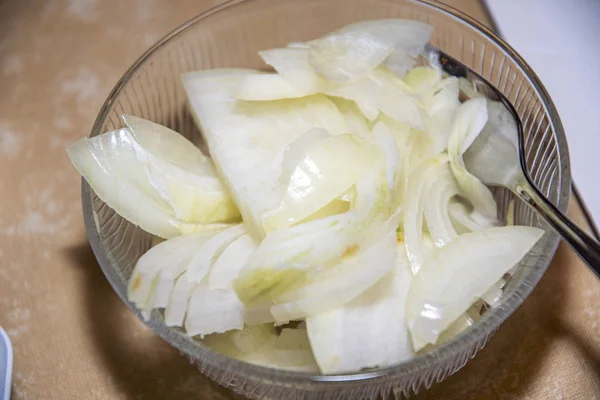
{"type": "Point", "coordinates": [72, 336]}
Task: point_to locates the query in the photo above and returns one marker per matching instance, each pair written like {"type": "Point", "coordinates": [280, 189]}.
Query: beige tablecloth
{"type": "Point", "coordinates": [72, 336]}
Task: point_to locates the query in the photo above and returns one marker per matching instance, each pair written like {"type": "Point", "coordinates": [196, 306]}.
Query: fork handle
{"type": "Point", "coordinates": [581, 242]}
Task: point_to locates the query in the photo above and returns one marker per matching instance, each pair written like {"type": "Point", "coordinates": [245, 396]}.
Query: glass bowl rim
{"type": "Point", "coordinates": [459, 345]}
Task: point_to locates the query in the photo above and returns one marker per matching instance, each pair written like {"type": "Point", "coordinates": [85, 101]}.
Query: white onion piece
{"type": "Point", "coordinates": [383, 137]}
{"type": "Point", "coordinates": [230, 262]}
{"type": "Point", "coordinates": [459, 273]}
{"type": "Point", "coordinates": [343, 283]}
{"type": "Point", "coordinates": [442, 187]}
{"type": "Point", "coordinates": [169, 146]}
{"type": "Point", "coordinates": [465, 220]}
{"type": "Point", "coordinates": [470, 119]}
{"type": "Point", "coordinates": [296, 151]}
{"type": "Point", "coordinates": [327, 169]}
{"type": "Point", "coordinates": [293, 65]}
{"type": "Point", "coordinates": [167, 260]}
{"type": "Point", "coordinates": [282, 260]}
{"type": "Point", "coordinates": [178, 301]}
{"type": "Point", "coordinates": [137, 205]}
{"type": "Point", "coordinates": [207, 254]}
{"type": "Point", "coordinates": [213, 311]}
{"type": "Point", "coordinates": [260, 345]}
{"type": "Point", "coordinates": [423, 79]}
{"type": "Point", "coordinates": [408, 37]}
{"type": "Point", "coordinates": [370, 331]}
{"type": "Point", "coordinates": [441, 108]}
{"type": "Point", "coordinates": [347, 57]}
{"type": "Point", "coordinates": [380, 90]}
{"type": "Point", "coordinates": [252, 338]}
{"type": "Point", "coordinates": [187, 228]}
{"type": "Point", "coordinates": [355, 121]}
{"type": "Point", "coordinates": [247, 138]}
{"type": "Point", "coordinates": [179, 172]}
{"type": "Point", "coordinates": [414, 204]}
{"type": "Point", "coordinates": [265, 87]}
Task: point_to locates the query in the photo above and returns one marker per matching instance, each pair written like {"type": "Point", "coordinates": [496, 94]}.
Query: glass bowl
{"type": "Point", "coordinates": [230, 36]}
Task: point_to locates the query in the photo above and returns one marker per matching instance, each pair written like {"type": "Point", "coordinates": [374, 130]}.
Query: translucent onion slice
{"type": "Point", "coordinates": [213, 311]}
{"type": "Point", "coordinates": [294, 66]}
{"type": "Point", "coordinates": [324, 172]}
{"type": "Point", "coordinates": [296, 151]}
{"type": "Point", "coordinates": [383, 137]}
{"type": "Point", "coordinates": [470, 119]}
{"type": "Point", "coordinates": [414, 208]}
{"type": "Point", "coordinates": [155, 272]}
{"type": "Point", "coordinates": [231, 262]}
{"type": "Point", "coordinates": [380, 90]}
{"type": "Point", "coordinates": [441, 107]}
{"type": "Point", "coordinates": [369, 331]}
{"type": "Point", "coordinates": [459, 273]}
{"type": "Point", "coordinates": [247, 138]}
{"type": "Point", "coordinates": [207, 254]}
{"type": "Point", "coordinates": [252, 338]}
{"type": "Point", "coordinates": [178, 302]}
{"type": "Point", "coordinates": [355, 121]}
{"type": "Point", "coordinates": [401, 132]}
{"type": "Point", "coordinates": [422, 79]}
{"type": "Point", "coordinates": [133, 203]}
{"type": "Point", "coordinates": [466, 220]}
{"type": "Point", "coordinates": [142, 184]}
{"type": "Point", "coordinates": [181, 174]}
{"type": "Point", "coordinates": [169, 146]}
{"type": "Point", "coordinates": [349, 56]}
{"type": "Point", "coordinates": [260, 345]}
{"type": "Point", "coordinates": [282, 260]}
{"type": "Point", "coordinates": [408, 38]}
{"type": "Point", "coordinates": [265, 87]}
{"type": "Point", "coordinates": [441, 189]}
{"type": "Point", "coordinates": [341, 284]}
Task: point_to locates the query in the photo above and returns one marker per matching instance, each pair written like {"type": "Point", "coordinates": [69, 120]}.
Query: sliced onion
{"type": "Point", "coordinates": [282, 260]}
{"type": "Point", "coordinates": [470, 120]}
{"type": "Point", "coordinates": [355, 121]}
{"type": "Point", "coordinates": [348, 56]}
{"type": "Point", "coordinates": [213, 311]}
{"type": "Point", "coordinates": [378, 91]}
{"type": "Point", "coordinates": [207, 254]}
{"type": "Point", "coordinates": [262, 346]}
{"type": "Point", "coordinates": [465, 220]}
{"type": "Point", "coordinates": [408, 37]}
{"type": "Point", "coordinates": [413, 216]}
{"type": "Point", "coordinates": [325, 171]}
{"type": "Point", "coordinates": [156, 271]}
{"type": "Point", "coordinates": [370, 331]}
{"type": "Point", "coordinates": [178, 302]}
{"type": "Point", "coordinates": [344, 282]}
{"type": "Point", "coordinates": [442, 188]}
{"type": "Point", "coordinates": [265, 87]}
{"type": "Point", "coordinates": [459, 273]}
{"type": "Point", "coordinates": [122, 195]}
{"type": "Point", "coordinates": [230, 262]}
{"type": "Point", "coordinates": [247, 139]}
